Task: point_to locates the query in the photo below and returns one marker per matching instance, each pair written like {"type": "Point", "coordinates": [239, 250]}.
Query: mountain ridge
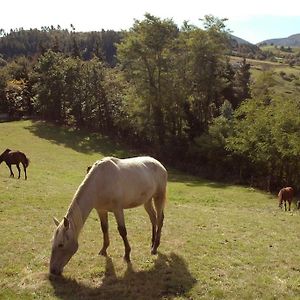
{"type": "Point", "coordinates": [290, 41]}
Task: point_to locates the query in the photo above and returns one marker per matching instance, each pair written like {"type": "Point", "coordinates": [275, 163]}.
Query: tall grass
{"type": "Point", "coordinates": [218, 242]}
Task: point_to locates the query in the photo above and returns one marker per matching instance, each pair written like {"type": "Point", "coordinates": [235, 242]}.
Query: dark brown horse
{"type": "Point", "coordinates": [285, 194]}
{"type": "Point", "coordinates": [15, 158]}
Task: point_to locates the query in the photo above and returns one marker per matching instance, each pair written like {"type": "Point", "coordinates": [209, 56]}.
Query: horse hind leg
{"type": "Point", "coordinates": [159, 203]}
{"type": "Point", "coordinates": [152, 215]}
{"type": "Point", "coordinates": [119, 215]}
{"type": "Point", "coordinates": [11, 172]}
{"type": "Point", "coordinates": [24, 168]}
{"type": "Point", "coordinates": [19, 170]}
{"type": "Point", "coordinates": [103, 215]}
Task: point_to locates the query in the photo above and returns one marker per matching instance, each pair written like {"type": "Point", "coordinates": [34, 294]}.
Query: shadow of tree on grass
{"type": "Point", "coordinates": [87, 142]}
{"type": "Point", "coordinates": [79, 140]}
{"type": "Point", "coordinates": [195, 181]}
{"type": "Point", "coordinates": [168, 277]}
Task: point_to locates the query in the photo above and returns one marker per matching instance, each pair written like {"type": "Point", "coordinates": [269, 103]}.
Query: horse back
{"type": "Point", "coordinates": [286, 193]}
{"type": "Point", "coordinates": [131, 182]}
{"type": "Point", "coordinates": [136, 168]}
{"type": "Point", "coordinates": [145, 170]}
{"type": "Point", "coordinates": [15, 157]}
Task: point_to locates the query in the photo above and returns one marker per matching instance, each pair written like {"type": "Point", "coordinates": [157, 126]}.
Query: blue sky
{"type": "Point", "coordinates": [258, 28]}
{"type": "Point", "coordinates": [254, 20]}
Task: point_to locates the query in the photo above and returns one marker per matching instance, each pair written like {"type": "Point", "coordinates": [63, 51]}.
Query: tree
{"type": "Point", "coordinates": [241, 83]}
{"type": "Point", "coordinates": [266, 133]}
{"type": "Point", "coordinates": [16, 102]}
{"type": "Point", "coordinates": [3, 84]}
{"type": "Point", "coordinates": [97, 108]}
{"type": "Point", "coordinates": [144, 55]}
{"type": "Point", "coordinates": [205, 66]}
{"type": "Point", "coordinates": [49, 87]}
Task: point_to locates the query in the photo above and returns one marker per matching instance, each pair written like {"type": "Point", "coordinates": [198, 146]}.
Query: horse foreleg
{"type": "Point", "coordinates": [152, 215]}
{"type": "Point", "coordinates": [19, 170]}
{"type": "Point", "coordinates": [103, 215]}
{"type": "Point", "coordinates": [284, 205]}
{"type": "Point", "coordinates": [290, 201]}
{"type": "Point", "coordinates": [11, 172]}
{"type": "Point", "coordinates": [119, 215]}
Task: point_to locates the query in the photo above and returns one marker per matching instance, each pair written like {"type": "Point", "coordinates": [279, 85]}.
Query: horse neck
{"type": "Point", "coordinates": [77, 214]}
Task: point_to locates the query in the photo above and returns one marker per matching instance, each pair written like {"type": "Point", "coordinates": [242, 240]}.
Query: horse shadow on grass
{"type": "Point", "coordinates": [168, 277]}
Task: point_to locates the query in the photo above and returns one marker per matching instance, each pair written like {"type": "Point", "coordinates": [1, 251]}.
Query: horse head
{"type": "Point", "coordinates": [64, 246]}
{"type": "Point", "coordinates": [3, 155]}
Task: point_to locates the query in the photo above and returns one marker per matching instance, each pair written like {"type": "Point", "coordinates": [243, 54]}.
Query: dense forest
{"type": "Point", "coordinates": [170, 92]}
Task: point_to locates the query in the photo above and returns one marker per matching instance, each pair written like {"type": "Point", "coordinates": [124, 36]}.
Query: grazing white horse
{"type": "Point", "coordinates": [112, 185]}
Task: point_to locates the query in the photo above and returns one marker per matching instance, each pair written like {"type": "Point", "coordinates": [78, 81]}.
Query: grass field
{"type": "Point", "coordinates": [287, 78]}
{"type": "Point", "coordinates": [218, 242]}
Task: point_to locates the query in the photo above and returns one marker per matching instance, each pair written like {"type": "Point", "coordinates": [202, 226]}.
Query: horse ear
{"type": "Point", "coordinates": [66, 223]}
{"type": "Point", "coordinates": [56, 222]}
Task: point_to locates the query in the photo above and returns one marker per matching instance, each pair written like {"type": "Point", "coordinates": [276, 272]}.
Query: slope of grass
{"type": "Point", "coordinates": [287, 79]}
{"type": "Point", "coordinates": [278, 51]}
{"type": "Point", "coordinates": [219, 241]}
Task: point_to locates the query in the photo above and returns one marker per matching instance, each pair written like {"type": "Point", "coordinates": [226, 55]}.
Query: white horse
{"type": "Point", "coordinates": [112, 185]}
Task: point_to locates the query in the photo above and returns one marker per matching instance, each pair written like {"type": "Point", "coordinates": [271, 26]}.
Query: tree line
{"type": "Point", "coordinates": [34, 42]}
{"type": "Point", "coordinates": [172, 93]}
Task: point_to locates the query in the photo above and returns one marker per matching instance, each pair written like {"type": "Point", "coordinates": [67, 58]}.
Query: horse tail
{"type": "Point", "coordinates": [27, 161]}
{"type": "Point", "coordinates": [291, 192]}
{"type": "Point", "coordinates": [280, 200]}
{"type": "Point", "coordinates": [160, 198]}
{"type": "Point", "coordinates": [163, 197]}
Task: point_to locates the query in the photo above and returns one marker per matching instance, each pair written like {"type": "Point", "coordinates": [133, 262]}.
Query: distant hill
{"type": "Point", "coordinates": [291, 41]}
{"type": "Point", "coordinates": [241, 47]}
{"type": "Point", "coordinates": [239, 40]}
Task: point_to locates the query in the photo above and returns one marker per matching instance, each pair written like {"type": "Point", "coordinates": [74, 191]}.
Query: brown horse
{"type": "Point", "coordinates": [285, 194]}
{"type": "Point", "coordinates": [15, 158]}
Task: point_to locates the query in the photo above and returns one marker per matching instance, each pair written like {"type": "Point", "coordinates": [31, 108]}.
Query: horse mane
{"type": "Point", "coordinates": [74, 212]}
{"type": "Point", "coordinates": [74, 216]}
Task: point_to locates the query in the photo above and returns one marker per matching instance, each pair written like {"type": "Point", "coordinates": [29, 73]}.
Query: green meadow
{"type": "Point", "coordinates": [219, 241]}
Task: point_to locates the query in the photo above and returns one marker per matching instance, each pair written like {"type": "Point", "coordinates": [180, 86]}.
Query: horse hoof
{"type": "Point", "coordinates": [103, 253]}
{"type": "Point", "coordinates": [127, 259]}
{"type": "Point", "coordinates": [153, 251]}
